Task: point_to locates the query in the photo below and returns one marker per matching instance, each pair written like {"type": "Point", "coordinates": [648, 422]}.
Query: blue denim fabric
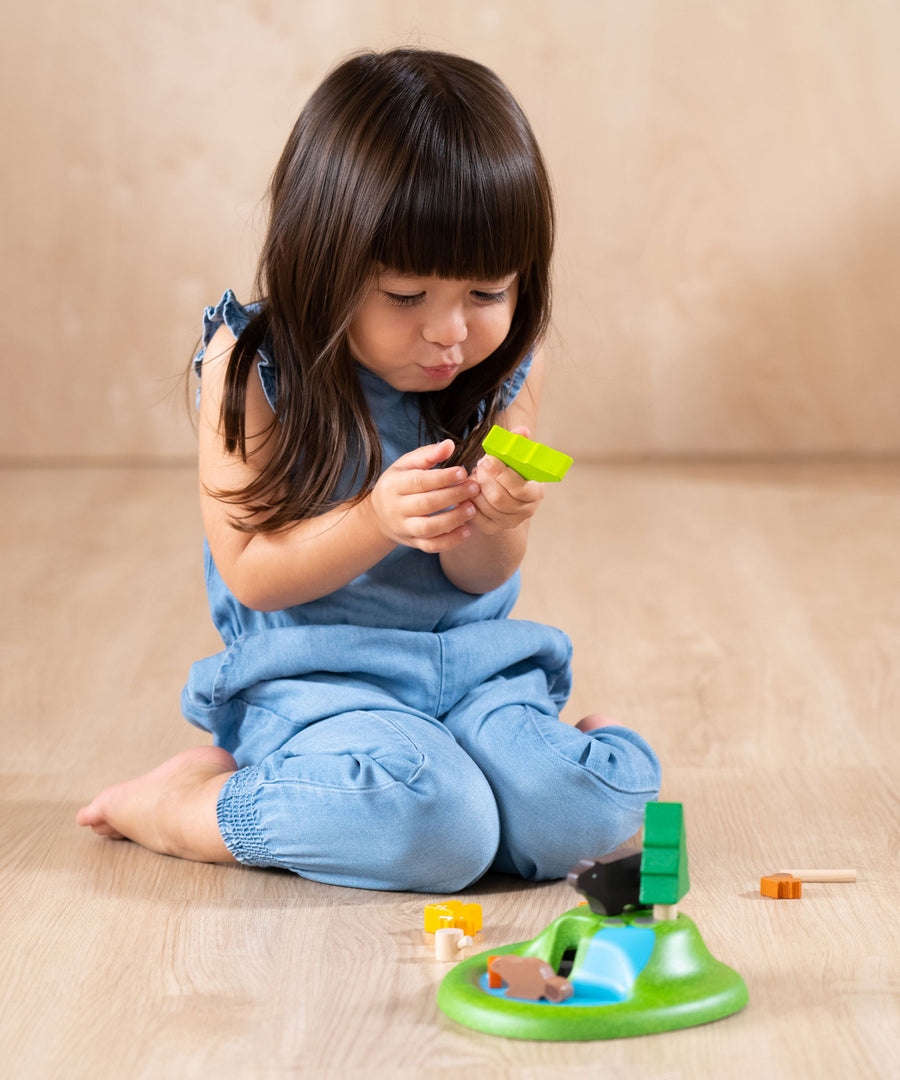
{"type": "Point", "coordinates": [402, 734]}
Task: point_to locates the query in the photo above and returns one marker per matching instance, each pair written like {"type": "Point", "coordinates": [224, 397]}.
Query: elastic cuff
{"type": "Point", "coordinates": [236, 816]}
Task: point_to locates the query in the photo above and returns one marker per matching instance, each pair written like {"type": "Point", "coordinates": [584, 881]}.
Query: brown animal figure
{"type": "Point", "coordinates": [531, 978]}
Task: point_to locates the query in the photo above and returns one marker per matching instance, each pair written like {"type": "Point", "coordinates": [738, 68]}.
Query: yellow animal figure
{"type": "Point", "coordinates": [451, 914]}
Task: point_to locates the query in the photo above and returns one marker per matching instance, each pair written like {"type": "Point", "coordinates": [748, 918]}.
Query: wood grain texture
{"type": "Point", "coordinates": [729, 246]}
{"type": "Point", "coordinates": [746, 620]}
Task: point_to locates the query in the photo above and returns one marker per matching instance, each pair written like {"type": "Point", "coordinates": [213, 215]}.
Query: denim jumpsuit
{"type": "Point", "coordinates": [400, 733]}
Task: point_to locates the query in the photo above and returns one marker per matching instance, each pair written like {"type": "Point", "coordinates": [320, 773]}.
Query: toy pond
{"type": "Point", "coordinates": [626, 963]}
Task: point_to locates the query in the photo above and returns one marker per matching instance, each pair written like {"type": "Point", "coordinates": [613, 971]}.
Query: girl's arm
{"type": "Point", "coordinates": [505, 505]}
{"type": "Point", "coordinates": [271, 571]}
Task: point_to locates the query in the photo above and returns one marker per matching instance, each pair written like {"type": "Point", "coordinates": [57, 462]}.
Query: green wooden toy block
{"type": "Point", "coordinates": [660, 861]}
{"type": "Point", "coordinates": [663, 824]}
{"type": "Point", "coordinates": [664, 863]}
{"type": "Point", "coordinates": [530, 459]}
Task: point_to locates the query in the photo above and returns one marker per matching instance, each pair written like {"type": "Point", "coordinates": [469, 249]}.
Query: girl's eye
{"type": "Point", "coordinates": [402, 300]}
{"type": "Point", "coordinates": [412, 299]}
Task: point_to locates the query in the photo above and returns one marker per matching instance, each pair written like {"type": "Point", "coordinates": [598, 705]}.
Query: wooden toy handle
{"type": "Point", "coordinates": [823, 875]}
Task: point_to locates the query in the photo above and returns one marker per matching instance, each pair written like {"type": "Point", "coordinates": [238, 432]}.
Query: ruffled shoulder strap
{"type": "Point", "coordinates": [233, 314]}
{"type": "Point", "coordinates": [516, 381]}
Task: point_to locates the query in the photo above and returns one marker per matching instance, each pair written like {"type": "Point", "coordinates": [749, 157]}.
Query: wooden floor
{"type": "Point", "coordinates": [745, 619]}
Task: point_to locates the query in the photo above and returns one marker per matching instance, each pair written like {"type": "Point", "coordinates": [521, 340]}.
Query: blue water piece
{"type": "Point", "coordinates": [613, 960]}
{"type": "Point", "coordinates": [615, 957]}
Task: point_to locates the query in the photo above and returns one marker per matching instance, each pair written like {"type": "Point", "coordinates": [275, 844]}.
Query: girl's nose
{"type": "Point", "coordinates": [446, 327]}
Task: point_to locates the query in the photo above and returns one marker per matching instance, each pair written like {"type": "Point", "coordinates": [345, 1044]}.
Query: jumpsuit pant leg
{"type": "Point", "coordinates": [344, 774]}
{"type": "Point", "coordinates": [414, 761]}
{"type": "Point", "coordinates": [374, 800]}
{"type": "Point", "coordinates": [562, 794]}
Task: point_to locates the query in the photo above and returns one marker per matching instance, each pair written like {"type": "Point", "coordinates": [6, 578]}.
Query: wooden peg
{"type": "Point", "coordinates": [823, 875]}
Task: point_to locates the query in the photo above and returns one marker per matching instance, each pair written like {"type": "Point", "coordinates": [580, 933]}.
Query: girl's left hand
{"type": "Point", "coordinates": [506, 500]}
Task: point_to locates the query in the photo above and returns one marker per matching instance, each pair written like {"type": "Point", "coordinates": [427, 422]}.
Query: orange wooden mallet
{"type": "Point", "coordinates": [787, 884]}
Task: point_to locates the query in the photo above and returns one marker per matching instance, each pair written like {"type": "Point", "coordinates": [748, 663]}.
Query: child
{"type": "Point", "coordinates": [379, 722]}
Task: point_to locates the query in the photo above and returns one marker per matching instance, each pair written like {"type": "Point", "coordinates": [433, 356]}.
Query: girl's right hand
{"type": "Point", "coordinates": [422, 506]}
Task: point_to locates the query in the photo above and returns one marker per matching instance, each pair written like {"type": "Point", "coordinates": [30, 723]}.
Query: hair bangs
{"type": "Point", "coordinates": [465, 209]}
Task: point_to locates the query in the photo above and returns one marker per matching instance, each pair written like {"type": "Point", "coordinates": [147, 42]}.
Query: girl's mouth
{"type": "Point", "coordinates": [442, 371]}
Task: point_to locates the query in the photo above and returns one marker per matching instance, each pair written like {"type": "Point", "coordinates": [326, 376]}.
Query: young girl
{"type": "Point", "coordinates": [379, 721]}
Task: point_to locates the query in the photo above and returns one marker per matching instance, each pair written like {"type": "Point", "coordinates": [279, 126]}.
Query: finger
{"type": "Point", "coordinates": [421, 481]}
{"type": "Point", "coordinates": [494, 467]}
{"type": "Point", "coordinates": [445, 542]}
{"type": "Point", "coordinates": [497, 480]}
{"type": "Point", "coordinates": [425, 504]}
{"type": "Point", "coordinates": [437, 525]}
{"type": "Point", "coordinates": [426, 457]}
{"type": "Point", "coordinates": [496, 514]}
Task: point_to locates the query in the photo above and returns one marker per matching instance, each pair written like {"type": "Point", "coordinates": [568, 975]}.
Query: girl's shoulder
{"type": "Point", "coordinates": [230, 312]}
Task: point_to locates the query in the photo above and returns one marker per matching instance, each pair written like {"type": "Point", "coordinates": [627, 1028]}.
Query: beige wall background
{"type": "Point", "coordinates": [728, 178]}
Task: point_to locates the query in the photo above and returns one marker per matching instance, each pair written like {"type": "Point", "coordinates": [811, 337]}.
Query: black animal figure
{"type": "Point", "coordinates": [610, 883]}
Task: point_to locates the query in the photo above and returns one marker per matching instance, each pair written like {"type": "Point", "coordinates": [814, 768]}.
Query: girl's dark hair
{"type": "Point", "coordinates": [417, 161]}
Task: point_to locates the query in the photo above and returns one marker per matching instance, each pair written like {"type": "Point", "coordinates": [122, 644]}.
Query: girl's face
{"type": "Point", "coordinates": [419, 333]}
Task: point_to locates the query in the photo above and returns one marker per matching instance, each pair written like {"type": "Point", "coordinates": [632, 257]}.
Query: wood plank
{"type": "Point", "coordinates": [746, 620]}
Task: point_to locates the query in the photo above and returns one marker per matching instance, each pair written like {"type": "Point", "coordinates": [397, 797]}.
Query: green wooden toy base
{"type": "Point", "coordinates": [681, 985]}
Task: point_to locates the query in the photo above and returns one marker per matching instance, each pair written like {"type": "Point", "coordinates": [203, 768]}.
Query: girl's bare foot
{"type": "Point", "coordinates": [171, 809]}
{"type": "Point", "coordinates": [592, 721]}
